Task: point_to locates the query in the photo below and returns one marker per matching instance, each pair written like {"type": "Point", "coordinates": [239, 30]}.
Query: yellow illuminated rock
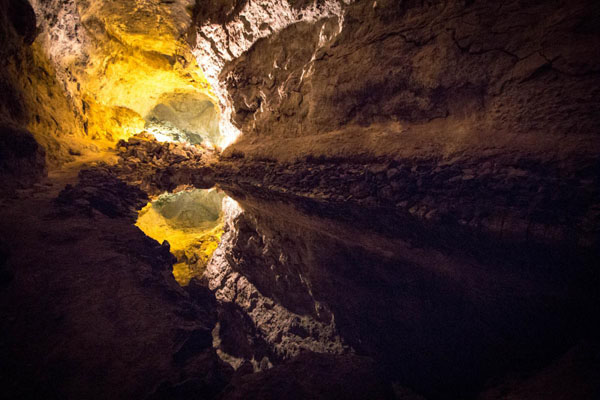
{"type": "Point", "coordinates": [50, 114]}
{"type": "Point", "coordinates": [118, 60]}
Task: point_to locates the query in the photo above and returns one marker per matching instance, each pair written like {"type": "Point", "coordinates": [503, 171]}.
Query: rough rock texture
{"type": "Point", "coordinates": [118, 60]}
{"type": "Point", "coordinates": [453, 114]}
{"type": "Point", "coordinates": [225, 30]}
{"type": "Point", "coordinates": [158, 167]}
{"type": "Point", "coordinates": [98, 190]}
{"type": "Point", "coordinates": [30, 95]}
{"type": "Point", "coordinates": [458, 72]}
{"type": "Point", "coordinates": [511, 197]}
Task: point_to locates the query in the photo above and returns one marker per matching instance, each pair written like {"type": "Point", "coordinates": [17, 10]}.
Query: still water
{"type": "Point", "coordinates": [440, 310]}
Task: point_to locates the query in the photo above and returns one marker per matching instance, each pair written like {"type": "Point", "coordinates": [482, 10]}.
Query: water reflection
{"type": "Point", "coordinates": [192, 222]}
{"type": "Point", "coordinates": [438, 309]}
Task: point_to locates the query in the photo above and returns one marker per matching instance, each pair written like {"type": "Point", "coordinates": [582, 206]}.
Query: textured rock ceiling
{"type": "Point", "coordinates": [329, 78]}
{"type": "Point", "coordinates": [117, 60]}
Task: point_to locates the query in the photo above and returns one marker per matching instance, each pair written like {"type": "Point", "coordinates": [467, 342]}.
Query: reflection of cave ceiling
{"type": "Point", "coordinates": [190, 209]}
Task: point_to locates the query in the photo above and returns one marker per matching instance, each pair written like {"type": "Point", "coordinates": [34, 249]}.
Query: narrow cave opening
{"type": "Point", "coordinates": [189, 117]}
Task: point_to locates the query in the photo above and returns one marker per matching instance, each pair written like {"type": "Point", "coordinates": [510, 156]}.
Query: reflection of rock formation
{"type": "Point", "coordinates": [286, 329]}
{"type": "Point", "coordinates": [420, 302]}
{"type": "Point", "coordinates": [192, 224]}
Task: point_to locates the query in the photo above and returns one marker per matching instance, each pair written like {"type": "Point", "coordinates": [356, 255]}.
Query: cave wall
{"type": "Point", "coordinates": [224, 30]}
{"type": "Point", "coordinates": [434, 77]}
{"type": "Point", "coordinates": [38, 126]}
{"type": "Point", "coordinates": [81, 75]}
{"type": "Point", "coordinates": [464, 114]}
{"type": "Point", "coordinates": [116, 59]}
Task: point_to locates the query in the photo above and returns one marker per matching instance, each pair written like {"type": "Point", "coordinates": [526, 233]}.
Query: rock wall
{"type": "Point", "coordinates": [226, 30]}
{"type": "Point", "coordinates": [435, 77]}
{"type": "Point", "coordinates": [475, 114]}
{"type": "Point", "coordinates": [116, 61]}
{"type": "Point", "coordinates": [31, 102]}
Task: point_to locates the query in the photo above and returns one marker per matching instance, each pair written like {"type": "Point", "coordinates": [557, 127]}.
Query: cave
{"type": "Point", "coordinates": [285, 199]}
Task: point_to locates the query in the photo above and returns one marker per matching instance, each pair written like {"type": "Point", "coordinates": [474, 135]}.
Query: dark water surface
{"type": "Point", "coordinates": [440, 308]}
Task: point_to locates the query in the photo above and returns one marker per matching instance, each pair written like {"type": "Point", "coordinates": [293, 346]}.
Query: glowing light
{"type": "Point", "coordinates": [122, 64]}
{"type": "Point", "coordinates": [158, 135]}
{"type": "Point", "coordinates": [229, 133]}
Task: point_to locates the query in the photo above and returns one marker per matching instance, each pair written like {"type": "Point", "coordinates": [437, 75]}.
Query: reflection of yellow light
{"type": "Point", "coordinates": [192, 246]}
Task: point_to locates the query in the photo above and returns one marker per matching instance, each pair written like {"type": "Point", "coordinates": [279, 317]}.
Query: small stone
{"type": "Point", "coordinates": [392, 173]}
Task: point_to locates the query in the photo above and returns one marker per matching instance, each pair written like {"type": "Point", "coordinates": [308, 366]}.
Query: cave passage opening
{"type": "Point", "coordinates": [191, 221]}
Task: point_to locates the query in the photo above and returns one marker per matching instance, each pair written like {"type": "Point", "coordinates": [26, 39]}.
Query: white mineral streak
{"type": "Point", "coordinates": [62, 37]}
{"type": "Point", "coordinates": [217, 44]}
{"type": "Point", "coordinates": [61, 28]}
